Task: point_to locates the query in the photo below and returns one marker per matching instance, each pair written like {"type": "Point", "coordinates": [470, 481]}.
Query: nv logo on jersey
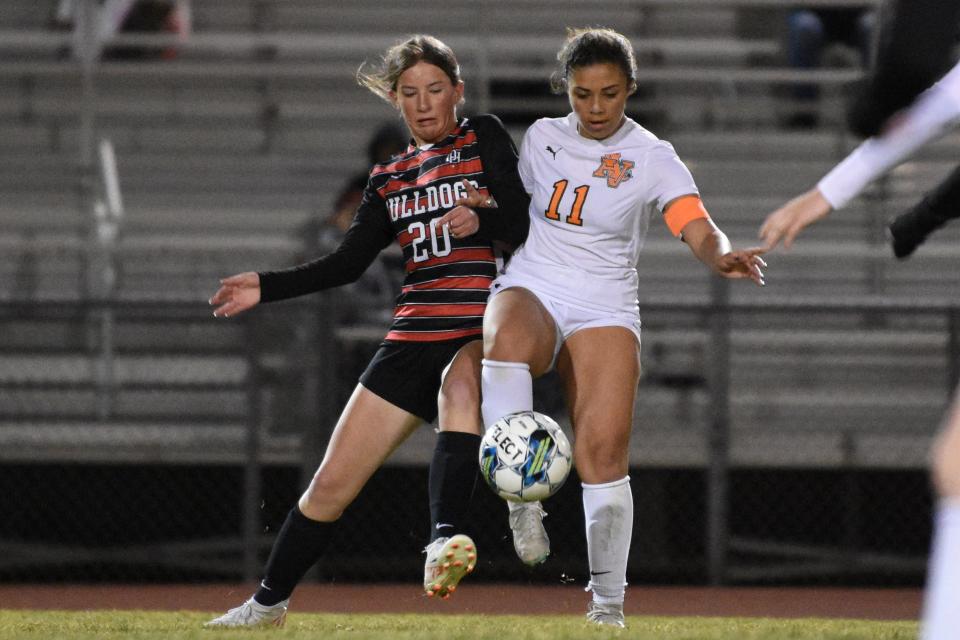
{"type": "Point", "coordinates": [614, 169]}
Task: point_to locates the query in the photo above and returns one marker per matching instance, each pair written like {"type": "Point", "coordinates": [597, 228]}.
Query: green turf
{"type": "Point", "coordinates": [90, 625]}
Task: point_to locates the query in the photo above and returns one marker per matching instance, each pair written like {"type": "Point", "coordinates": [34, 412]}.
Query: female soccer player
{"type": "Point", "coordinates": [434, 343]}
{"type": "Point", "coordinates": [934, 113]}
{"type": "Point", "coordinates": [568, 297]}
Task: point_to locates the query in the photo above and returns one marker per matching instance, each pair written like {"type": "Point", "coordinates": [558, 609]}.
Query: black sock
{"type": "Point", "coordinates": [298, 546]}
{"type": "Point", "coordinates": [453, 475]}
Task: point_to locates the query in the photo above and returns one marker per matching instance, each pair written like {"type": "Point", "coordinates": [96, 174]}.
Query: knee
{"type": "Point", "coordinates": [600, 461]}
{"type": "Point", "coordinates": [324, 500]}
{"type": "Point", "coordinates": [945, 472]}
{"type": "Point", "coordinates": [945, 456]}
{"type": "Point", "coordinates": [517, 343]}
{"type": "Point", "coordinates": [459, 393]}
{"type": "Point", "coordinates": [505, 341]}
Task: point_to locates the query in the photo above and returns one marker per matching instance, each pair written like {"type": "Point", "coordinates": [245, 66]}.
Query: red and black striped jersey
{"type": "Point", "coordinates": [447, 279]}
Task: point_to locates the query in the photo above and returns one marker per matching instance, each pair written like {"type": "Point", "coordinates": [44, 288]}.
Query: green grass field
{"type": "Point", "coordinates": [90, 625]}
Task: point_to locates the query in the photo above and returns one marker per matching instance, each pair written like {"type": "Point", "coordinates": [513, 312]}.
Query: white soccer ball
{"type": "Point", "coordinates": [525, 457]}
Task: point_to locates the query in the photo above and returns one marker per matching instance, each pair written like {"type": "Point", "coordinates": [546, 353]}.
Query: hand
{"type": "Point", "coordinates": [474, 199]}
{"type": "Point", "coordinates": [790, 219]}
{"type": "Point", "coordinates": [236, 294]}
{"type": "Point", "coordinates": [743, 263]}
{"type": "Point", "coordinates": [462, 221]}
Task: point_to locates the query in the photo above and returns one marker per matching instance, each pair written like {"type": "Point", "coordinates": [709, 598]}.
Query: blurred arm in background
{"type": "Point", "coordinates": [933, 114]}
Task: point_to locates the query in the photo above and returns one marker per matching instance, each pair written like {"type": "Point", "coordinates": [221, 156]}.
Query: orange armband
{"type": "Point", "coordinates": [683, 210]}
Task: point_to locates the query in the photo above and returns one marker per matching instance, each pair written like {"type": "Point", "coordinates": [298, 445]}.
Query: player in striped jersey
{"type": "Point", "coordinates": [569, 294]}
{"type": "Point", "coordinates": [434, 345]}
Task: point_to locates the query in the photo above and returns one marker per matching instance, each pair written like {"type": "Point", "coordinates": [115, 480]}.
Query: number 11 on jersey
{"type": "Point", "coordinates": [553, 211]}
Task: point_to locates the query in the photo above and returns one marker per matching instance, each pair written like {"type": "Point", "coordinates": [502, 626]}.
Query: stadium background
{"type": "Point", "coordinates": [780, 434]}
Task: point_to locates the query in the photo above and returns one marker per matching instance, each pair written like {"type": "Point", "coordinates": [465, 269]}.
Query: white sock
{"type": "Point", "coordinates": [608, 511]}
{"type": "Point", "coordinates": [507, 387]}
{"type": "Point", "coordinates": [941, 603]}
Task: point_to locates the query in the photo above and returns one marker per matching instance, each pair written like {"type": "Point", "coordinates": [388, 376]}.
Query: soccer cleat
{"type": "Point", "coordinates": [610, 615]}
{"type": "Point", "coordinates": [448, 560]}
{"type": "Point", "coordinates": [251, 614]}
{"type": "Point", "coordinates": [530, 539]}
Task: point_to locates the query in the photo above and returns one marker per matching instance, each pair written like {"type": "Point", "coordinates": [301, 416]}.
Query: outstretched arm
{"type": "Point", "coordinates": [790, 219]}
{"type": "Point", "coordinates": [365, 238]}
{"type": "Point", "coordinates": [936, 111]}
{"type": "Point", "coordinates": [236, 294]}
{"type": "Point", "coordinates": [711, 246]}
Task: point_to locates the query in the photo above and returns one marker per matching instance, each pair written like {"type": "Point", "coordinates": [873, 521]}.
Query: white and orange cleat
{"type": "Point", "coordinates": [448, 561]}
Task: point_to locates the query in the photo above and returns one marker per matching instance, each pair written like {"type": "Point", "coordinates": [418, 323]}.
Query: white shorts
{"type": "Point", "coordinates": [569, 318]}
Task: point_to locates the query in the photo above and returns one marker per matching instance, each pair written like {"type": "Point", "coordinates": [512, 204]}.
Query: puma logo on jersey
{"type": "Point", "coordinates": [550, 149]}
{"type": "Point", "coordinates": [614, 169]}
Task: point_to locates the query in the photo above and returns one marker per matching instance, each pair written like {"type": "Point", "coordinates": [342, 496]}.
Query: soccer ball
{"type": "Point", "coordinates": [525, 457]}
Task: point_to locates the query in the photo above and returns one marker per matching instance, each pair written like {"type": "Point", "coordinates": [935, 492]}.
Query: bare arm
{"type": "Point", "coordinates": [790, 219]}
{"type": "Point", "coordinates": [236, 294]}
{"type": "Point", "coordinates": [711, 246]}
{"type": "Point", "coordinates": [934, 112]}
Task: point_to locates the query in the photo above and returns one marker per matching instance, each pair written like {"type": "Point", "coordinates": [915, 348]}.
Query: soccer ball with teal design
{"type": "Point", "coordinates": [525, 457]}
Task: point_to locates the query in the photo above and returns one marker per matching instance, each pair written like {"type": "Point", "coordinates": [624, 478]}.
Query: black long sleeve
{"type": "Point", "coordinates": [371, 230]}
{"type": "Point", "coordinates": [365, 239]}
{"type": "Point", "coordinates": [509, 222]}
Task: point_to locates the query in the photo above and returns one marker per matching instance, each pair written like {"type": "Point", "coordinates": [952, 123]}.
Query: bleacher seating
{"type": "Point", "coordinates": [227, 151]}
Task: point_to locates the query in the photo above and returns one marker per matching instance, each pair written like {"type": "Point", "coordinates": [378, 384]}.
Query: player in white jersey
{"type": "Point", "coordinates": [569, 294]}
{"type": "Point", "coordinates": [620, 183]}
{"type": "Point", "coordinates": [934, 113]}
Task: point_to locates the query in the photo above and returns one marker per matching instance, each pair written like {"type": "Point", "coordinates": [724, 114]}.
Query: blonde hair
{"type": "Point", "coordinates": [594, 45]}
{"type": "Point", "coordinates": [382, 80]}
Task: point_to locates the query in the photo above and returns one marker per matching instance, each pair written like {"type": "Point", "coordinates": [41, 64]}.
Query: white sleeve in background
{"type": "Point", "coordinates": [931, 115]}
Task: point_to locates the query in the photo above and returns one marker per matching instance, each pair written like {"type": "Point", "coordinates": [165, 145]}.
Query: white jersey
{"type": "Point", "coordinates": [590, 208]}
{"type": "Point", "coordinates": [932, 114]}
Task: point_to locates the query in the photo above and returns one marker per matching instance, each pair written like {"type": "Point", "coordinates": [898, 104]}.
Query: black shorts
{"type": "Point", "coordinates": [407, 374]}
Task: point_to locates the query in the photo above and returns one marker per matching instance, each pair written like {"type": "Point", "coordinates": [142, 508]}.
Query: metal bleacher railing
{"type": "Point", "coordinates": [185, 389]}
{"type": "Point", "coordinates": [164, 386]}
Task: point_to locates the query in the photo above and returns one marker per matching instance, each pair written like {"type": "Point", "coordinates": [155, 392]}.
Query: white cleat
{"type": "Point", "coordinates": [448, 561]}
{"type": "Point", "coordinates": [529, 537]}
{"type": "Point", "coordinates": [610, 615]}
{"type": "Point", "coordinates": [251, 614]}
